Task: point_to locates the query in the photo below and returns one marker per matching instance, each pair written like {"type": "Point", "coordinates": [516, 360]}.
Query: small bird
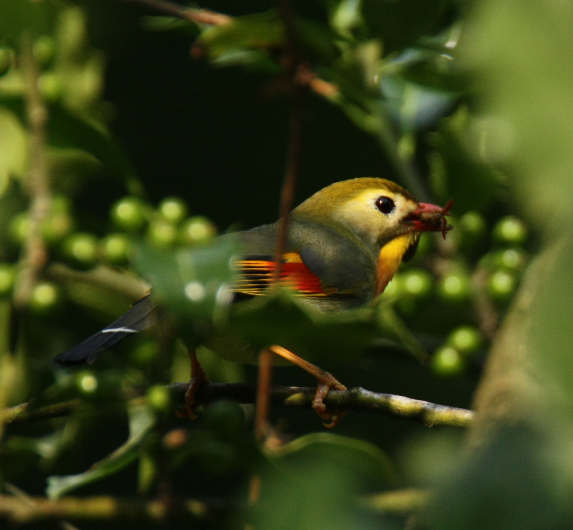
{"type": "Point", "coordinates": [344, 245]}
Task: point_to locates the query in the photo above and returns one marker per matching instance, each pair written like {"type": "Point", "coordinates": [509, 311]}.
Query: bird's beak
{"type": "Point", "coordinates": [430, 218]}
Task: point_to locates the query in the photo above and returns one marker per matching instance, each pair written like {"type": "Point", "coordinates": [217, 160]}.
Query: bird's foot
{"type": "Point", "coordinates": [198, 377]}
{"type": "Point", "coordinates": [326, 383]}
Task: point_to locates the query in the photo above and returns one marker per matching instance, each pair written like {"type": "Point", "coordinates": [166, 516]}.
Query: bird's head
{"type": "Point", "coordinates": [382, 214]}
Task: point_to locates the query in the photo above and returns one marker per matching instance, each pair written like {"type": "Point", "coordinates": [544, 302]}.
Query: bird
{"type": "Point", "coordinates": [343, 246]}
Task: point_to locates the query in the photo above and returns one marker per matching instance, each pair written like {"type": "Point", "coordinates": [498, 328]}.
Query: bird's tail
{"type": "Point", "coordinates": [142, 315]}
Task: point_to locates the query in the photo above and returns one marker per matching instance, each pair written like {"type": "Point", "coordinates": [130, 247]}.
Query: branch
{"type": "Point", "coordinates": [397, 502]}
{"type": "Point", "coordinates": [198, 16]}
{"type": "Point", "coordinates": [356, 399]}
{"type": "Point", "coordinates": [104, 278]}
{"type": "Point", "coordinates": [34, 255]}
{"type": "Point", "coordinates": [304, 76]}
{"type": "Point", "coordinates": [27, 509]}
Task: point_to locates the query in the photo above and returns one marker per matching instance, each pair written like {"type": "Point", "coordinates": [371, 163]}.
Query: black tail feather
{"type": "Point", "coordinates": [141, 316]}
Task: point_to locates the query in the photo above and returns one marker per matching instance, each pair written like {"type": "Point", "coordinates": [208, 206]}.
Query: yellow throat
{"type": "Point", "coordinates": [390, 258]}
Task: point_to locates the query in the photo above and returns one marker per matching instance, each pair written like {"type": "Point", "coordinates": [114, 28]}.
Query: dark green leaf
{"type": "Point", "coordinates": [359, 457]}
{"type": "Point", "coordinates": [141, 421]}
{"type": "Point", "coordinates": [192, 283]}
{"type": "Point", "coordinates": [281, 319]}
{"type": "Point", "coordinates": [68, 130]}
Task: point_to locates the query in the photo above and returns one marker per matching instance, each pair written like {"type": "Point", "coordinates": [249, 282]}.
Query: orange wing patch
{"type": "Point", "coordinates": [256, 276]}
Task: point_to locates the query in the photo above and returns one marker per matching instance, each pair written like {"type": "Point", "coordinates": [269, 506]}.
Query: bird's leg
{"type": "Point", "coordinates": [198, 377]}
{"type": "Point", "coordinates": [326, 382]}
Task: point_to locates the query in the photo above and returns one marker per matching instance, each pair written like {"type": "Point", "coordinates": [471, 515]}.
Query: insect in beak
{"type": "Point", "coordinates": [431, 218]}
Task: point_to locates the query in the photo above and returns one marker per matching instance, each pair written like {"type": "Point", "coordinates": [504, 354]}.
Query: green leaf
{"type": "Point", "coordinates": [394, 328]}
{"type": "Point", "coordinates": [13, 149]}
{"type": "Point", "coordinates": [518, 481]}
{"type": "Point", "coordinates": [282, 319]}
{"type": "Point", "coordinates": [414, 107]}
{"type": "Point", "coordinates": [67, 129]}
{"type": "Point", "coordinates": [260, 31]}
{"type": "Point", "coordinates": [315, 484]}
{"type": "Point", "coordinates": [193, 283]}
{"type": "Point", "coordinates": [141, 421]}
{"type": "Point", "coordinates": [25, 15]}
{"type": "Point", "coordinates": [159, 23]}
{"type": "Point", "coordinates": [345, 16]}
{"type": "Point", "coordinates": [361, 458]}
{"type": "Point", "coordinates": [399, 24]}
{"type": "Point", "coordinates": [457, 173]}
{"type": "Point", "coordinates": [432, 69]}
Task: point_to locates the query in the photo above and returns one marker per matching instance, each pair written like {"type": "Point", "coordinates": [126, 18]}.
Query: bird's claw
{"type": "Point", "coordinates": [326, 383]}
{"type": "Point", "coordinates": [198, 377]}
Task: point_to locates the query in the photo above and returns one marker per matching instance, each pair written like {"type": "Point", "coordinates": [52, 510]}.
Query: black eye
{"type": "Point", "coordinates": [385, 205]}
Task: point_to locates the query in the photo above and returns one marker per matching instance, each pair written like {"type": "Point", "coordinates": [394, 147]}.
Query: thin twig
{"type": "Point", "coordinates": [104, 278]}
{"type": "Point", "coordinates": [198, 16]}
{"type": "Point", "coordinates": [290, 60]}
{"type": "Point", "coordinates": [356, 399]}
{"type": "Point", "coordinates": [34, 255]}
{"type": "Point", "coordinates": [397, 502]}
{"type": "Point", "coordinates": [264, 386]}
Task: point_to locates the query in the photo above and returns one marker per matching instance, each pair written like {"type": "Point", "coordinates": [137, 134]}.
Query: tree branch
{"type": "Point", "coordinates": [356, 399]}
{"type": "Point", "coordinates": [22, 510]}
{"type": "Point", "coordinates": [34, 255]}
{"type": "Point", "coordinates": [304, 76]}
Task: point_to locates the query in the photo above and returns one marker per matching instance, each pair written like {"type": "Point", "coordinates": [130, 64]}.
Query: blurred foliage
{"type": "Point", "coordinates": [155, 138]}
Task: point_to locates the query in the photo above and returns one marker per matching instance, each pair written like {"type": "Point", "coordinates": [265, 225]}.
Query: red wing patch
{"type": "Point", "coordinates": [256, 276]}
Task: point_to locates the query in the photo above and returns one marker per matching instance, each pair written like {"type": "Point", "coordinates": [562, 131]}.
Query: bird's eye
{"type": "Point", "coordinates": [385, 205]}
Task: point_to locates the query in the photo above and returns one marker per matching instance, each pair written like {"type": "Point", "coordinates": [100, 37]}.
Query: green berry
{"type": "Point", "coordinates": [7, 278]}
{"type": "Point", "coordinates": [158, 398]}
{"type": "Point", "coordinates": [510, 230]}
{"type": "Point", "coordinates": [217, 457]}
{"type": "Point", "coordinates": [473, 224]}
{"type": "Point", "coordinates": [56, 227]}
{"type": "Point", "coordinates": [465, 339]}
{"type": "Point", "coordinates": [226, 417]}
{"type": "Point", "coordinates": [472, 231]}
{"type": "Point", "coordinates": [45, 298]}
{"type": "Point", "coordinates": [173, 209]}
{"type": "Point", "coordinates": [50, 86]}
{"type": "Point", "coordinates": [162, 233]}
{"type": "Point", "coordinates": [19, 227]}
{"type": "Point", "coordinates": [129, 214]}
{"type": "Point", "coordinates": [197, 230]}
{"type": "Point", "coordinates": [6, 59]}
{"type": "Point", "coordinates": [116, 249]}
{"type": "Point", "coordinates": [61, 204]}
{"type": "Point", "coordinates": [511, 259]}
{"type": "Point", "coordinates": [87, 383]}
{"type": "Point", "coordinates": [81, 249]}
{"type": "Point", "coordinates": [455, 287]}
{"type": "Point", "coordinates": [44, 50]}
{"type": "Point", "coordinates": [501, 285]}
{"type": "Point", "coordinates": [448, 362]}
{"type": "Point", "coordinates": [417, 282]}
{"type": "Point", "coordinates": [144, 354]}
